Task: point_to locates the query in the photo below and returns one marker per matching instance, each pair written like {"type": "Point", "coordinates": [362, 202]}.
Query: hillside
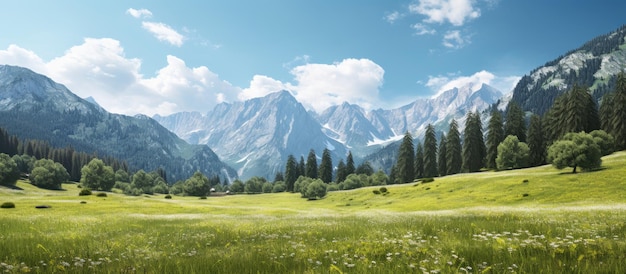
{"type": "Point", "coordinates": [546, 188]}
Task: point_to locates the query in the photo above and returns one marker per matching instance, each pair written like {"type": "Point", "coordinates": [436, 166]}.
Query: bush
{"type": "Point", "coordinates": [101, 194]}
{"type": "Point", "coordinates": [202, 197]}
{"type": "Point", "coordinates": [168, 196]}
{"type": "Point", "coordinates": [84, 192]}
{"type": "Point", "coordinates": [383, 190]}
{"type": "Point", "coordinates": [375, 191]}
{"type": "Point", "coordinates": [332, 187]}
{"type": "Point", "coordinates": [7, 205]}
{"type": "Point", "coordinates": [428, 180]}
{"type": "Point", "coordinates": [315, 190]}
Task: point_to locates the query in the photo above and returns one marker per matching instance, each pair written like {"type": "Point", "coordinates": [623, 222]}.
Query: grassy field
{"type": "Point", "coordinates": [538, 220]}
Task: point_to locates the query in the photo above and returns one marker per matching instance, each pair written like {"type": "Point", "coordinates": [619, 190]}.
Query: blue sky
{"type": "Point", "coordinates": [162, 57]}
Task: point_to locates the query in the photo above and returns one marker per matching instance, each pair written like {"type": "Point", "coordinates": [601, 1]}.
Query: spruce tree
{"type": "Point", "coordinates": [515, 122]}
{"type": "Point", "coordinates": [419, 161]}
{"type": "Point", "coordinates": [536, 142]}
{"type": "Point", "coordinates": [495, 136]}
{"type": "Point", "coordinates": [311, 165]}
{"type": "Point", "coordinates": [430, 152]}
{"type": "Point", "coordinates": [301, 167]}
{"type": "Point", "coordinates": [454, 158]}
{"type": "Point", "coordinates": [291, 172]}
{"type": "Point", "coordinates": [606, 112]}
{"type": "Point", "coordinates": [350, 168]}
{"type": "Point", "coordinates": [441, 157]}
{"type": "Point", "coordinates": [326, 167]}
{"type": "Point", "coordinates": [406, 159]}
{"type": "Point", "coordinates": [341, 172]}
{"type": "Point", "coordinates": [473, 144]}
{"type": "Point", "coordinates": [618, 124]}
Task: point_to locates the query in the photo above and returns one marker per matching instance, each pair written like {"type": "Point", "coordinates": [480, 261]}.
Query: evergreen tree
{"type": "Point", "coordinates": [326, 167]}
{"type": "Point", "coordinates": [341, 172]}
{"type": "Point", "coordinates": [441, 157]}
{"type": "Point", "coordinates": [618, 124]}
{"type": "Point", "coordinates": [515, 122]}
{"type": "Point", "coordinates": [536, 142]}
{"type": "Point", "coordinates": [495, 136]}
{"type": "Point", "coordinates": [291, 172]}
{"type": "Point", "coordinates": [279, 177]}
{"type": "Point", "coordinates": [393, 178]}
{"type": "Point", "coordinates": [406, 159]}
{"type": "Point", "coordinates": [419, 161]}
{"type": "Point", "coordinates": [301, 167]}
{"type": "Point", "coordinates": [573, 111]}
{"type": "Point", "coordinates": [311, 165]}
{"type": "Point", "coordinates": [454, 158]}
{"type": "Point", "coordinates": [606, 112]}
{"type": "Point", "coordinates": [430, 152]}
{"type": "Point", "coordinates": [473, 145]}
{"type": "Point", "coordinates": [365, 168]}
{"type": "Point", "coordinates": [350, 167]}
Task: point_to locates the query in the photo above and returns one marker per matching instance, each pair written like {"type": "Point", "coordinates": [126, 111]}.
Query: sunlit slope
{"type": "Point", "coordinates": [524, 189]}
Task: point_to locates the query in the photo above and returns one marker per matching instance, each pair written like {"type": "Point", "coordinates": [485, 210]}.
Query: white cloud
{"type": "Point", "coordinates": [392, 17]}
{"type": "Point", "coordinates": [455, 40]}
{"type": "Point", "coordinates": [99, 68]}
{"type": "Point", "coordinates": [164, 32]}
{"type": "Point", "coordinates": [319, 86]}
{"type": "Point", "coordinates": [455, 12]}
{"type": "Point", "coordinates": [421, 29]}
{"type": "Point", "coordinates": [140, 13]}
{"type": "Point", "coordinates": [442, 83]}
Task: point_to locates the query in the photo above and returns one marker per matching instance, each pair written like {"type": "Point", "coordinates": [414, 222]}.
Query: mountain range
{"type": "Point", "coordinates": [32, 106]}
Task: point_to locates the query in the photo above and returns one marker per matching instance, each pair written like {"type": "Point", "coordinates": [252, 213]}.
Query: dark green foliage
{"type": "Point", "coordinates": [341, 172]}
{"type": "Point", "coordinates": [237, 187]}
{"type": "Point", "coordinates": [406, 159]}
{"type": "Point", "coordinates": [326, 167]}
{"type": "Point", "coordinates": [267, 187]}
{"type": "Point", "coordinates": [618, 121]}
{"type": "Point", "coordinates": [427, 180]}
{"type": "Point", "coordinates": [430, 152]}
{"type": "Point", "coordinates": [441, 157]}
{"type": "Point", "coordinates": [473, 145]}
{"type": "Point", "coordinates": [606, 112]}
{"type": "Point", "coordinates": [512, 154]}
{"type": "Point", "coordinates": [376, 191]}
{"type": "Point", "coordinates": [605, 141]}
{"type": "Point", "coordinates": [122, 176]}
{"type": "Point", "coordinates": [311, 165]}
{"type": "Point", "coordinates": [279, 177]}
{"type": "Point", "coordinates": [24, 162]}
{"type": "Point", "coordinates": [98, 176]}
{"type": "Point", "coordinates": [291, 172]}
{"type": "Point", "coordinates": [573, 111]}
{"type": "Point", "coordinates": [203, 197]}
{"type": "Point", "coordinates": [383, 189]}
{"type": "Point", "coordinates": [350, 168]}
{"type": "Point", "coordinates": [9, 173]}
{"type": "Point", "coordinates": [365, 168]}
{"type": "Point", "coordinates": [7, 205]}
{"type": "Point", "coordinates": [279, 187]}
{"type": "Point", "coordinates": [419, 161]}
{"type": "Point", "coordinates": [196, 185]}
{"type": "Point", "coordinates": [332, 187]}
{"type": "Point", "coordinates": [495, 135]}
{"type": "Point", "coordinates": [379, 178]}
{"type": "Point", "coordinates": [48, 174]}
{"type": "Point", "coordinates": [454, 158]}
{"type": "Point", "coordinates": [536, 142]}
{"type": "Point", "coordinates": [353, 181]}
{"type": "Point", "coordinates": [168, 196]}
{"type": "Point", "coordinates": [142, 182]}
{"type": "Point", "coordinates": [101, 194]}
{"type": "Point", "coordinates": [254, 185]}
{"type": "Point", "coordinates": [84, 192]}
{"type": "Point", "coordinates": [315, 190]}
{"type": "Point", "coordinates": [301, 167]}
{"type": "Point", "coordinates": [301, 184]}
{"type": "Point", "coordinates": [575, 150]}
{"type": "Point", "coordinates": [515, 122]}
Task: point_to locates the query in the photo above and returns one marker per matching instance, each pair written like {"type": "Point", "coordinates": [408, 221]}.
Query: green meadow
{"type": "Point", "coordinates": [537, 220]}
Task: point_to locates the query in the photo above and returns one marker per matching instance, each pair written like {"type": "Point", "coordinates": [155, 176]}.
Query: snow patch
{"type": "Point", "coordinates": [329, 146]}
{"type": "Point", "coordinates": [377, 141]}
{"type": "Point", "coordinates": [244, 158]}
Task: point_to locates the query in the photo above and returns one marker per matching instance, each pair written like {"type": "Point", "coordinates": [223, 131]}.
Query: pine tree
{"type": "Point", "coordinates": [311, 165]}
{"type": "Point", "coordinates": [536, 142]}
{"type": "Point", "coordinates": [473, 145]}
{"type": "Point", "coordinates": [419, 161]}
{"type": "Point", "coordinates": [606, 112]}
{"type": "Point", "coordinates": [495, 136]}
{"type": "Point", "coordinates": [430, 152]}
{"type": "Point", "coordinates": [441, 157]}
{"type": "Point", "coordinates": [515, 123]}
{"type": "Point", "coordinates": [406, 159]}
{"type": "Point", "coordinates": [301, 168]}
{"type": "Point", "coordinates": [618, 124]}
{"type": "Point", "coordinates": [573, 111]}
{"type": "Point", "coordinates": [454, 158]}
{"type": "Point", "coordinates": [291, 172]}
{"type": "Point", "coordinates": [326, 167]}
{"type": "Point", "coordinates": [341, 172]}
{"type": "Point", "coordinates": [350, 167]}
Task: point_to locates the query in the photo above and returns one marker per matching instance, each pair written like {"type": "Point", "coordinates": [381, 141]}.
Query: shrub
{"type": "Point", "coordinates": [332, 187]}
{"type": "Point", "coordinates": [375, 191]}
{"type": "Point", "coordinates": [428, 180]}
{"type": "Point", "coordinates": [202, 197]}
{"type": "Point", "coordinates": [315, 190]}
{"type": "Point", "coordinates": [168, 196]}
{"type": "Point", "coordinates": [83, 202]}
{"type": "Point", "coordinates": [525, 181]}
{"type": "Point", "coordinates": [101, 194]}
{"type": "Point", "coordinates": [7, 205]}
{"type": "Point", "coordinates": [84, 192]}
{"type": "Point", "coordinates": [383, 190]}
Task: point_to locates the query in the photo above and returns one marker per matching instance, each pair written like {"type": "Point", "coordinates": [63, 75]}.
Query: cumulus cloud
{"type": "Point", "coordinates": [455, 40]}
{"type": "Point", "coordinates": [100, 69]}
{"type": "Point", "coordinates": [442, 83]}
{"type": "Point", "coordinates": [421, 29]}
{"type": "Point", "coordinates": [140, 13]}
{"type": "Point", "coordinates": [455, 12]}
{"type": "Point", "coordinates": [164, 32]}
{"type": "Point", "coordinates": [319, 86]}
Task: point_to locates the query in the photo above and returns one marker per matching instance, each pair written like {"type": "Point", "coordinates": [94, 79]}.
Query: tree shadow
{"type": "Point", "coordinates": [12, 187]}
{"type": "Point", "coordinates": [583, 171]}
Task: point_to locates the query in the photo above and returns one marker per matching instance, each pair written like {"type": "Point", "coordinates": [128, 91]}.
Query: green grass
{"type": "Point", "coordinates": [474, 223]}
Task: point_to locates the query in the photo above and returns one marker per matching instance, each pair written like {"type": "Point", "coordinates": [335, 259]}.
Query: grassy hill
{"type": "Point", "coordinates": [467, 223]}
